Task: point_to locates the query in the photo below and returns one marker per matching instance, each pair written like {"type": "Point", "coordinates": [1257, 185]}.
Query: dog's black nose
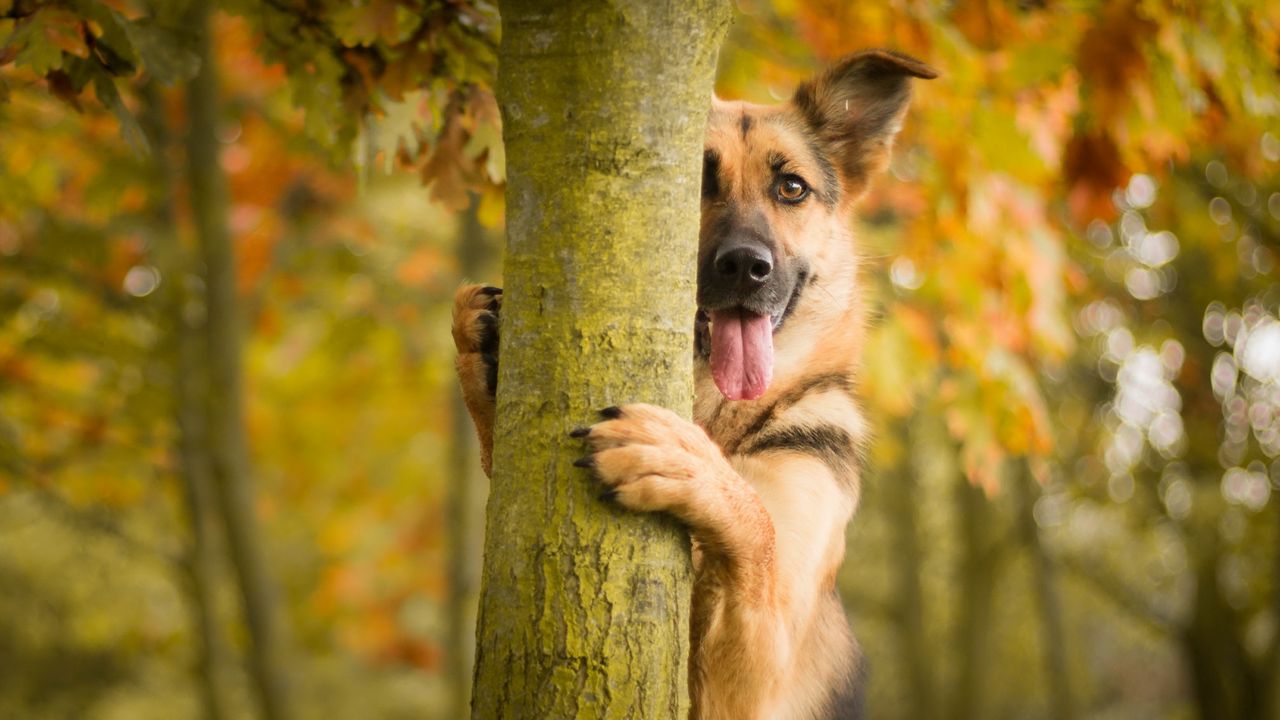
{"type": "Point", "coordinates": [743, 266]}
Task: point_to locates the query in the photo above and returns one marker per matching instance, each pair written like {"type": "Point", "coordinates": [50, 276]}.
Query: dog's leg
{"type": "Point", "coordinates": [475, 334]}
{"type": "Point", "coordinates": [650, 459]}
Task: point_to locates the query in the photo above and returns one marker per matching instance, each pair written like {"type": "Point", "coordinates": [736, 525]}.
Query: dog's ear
{"type": "Point", "coordinates": [856, 106]}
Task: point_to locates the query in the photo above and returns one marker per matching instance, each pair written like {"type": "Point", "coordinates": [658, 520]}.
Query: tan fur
{"type": "Point", "coordinates": [766, 486]}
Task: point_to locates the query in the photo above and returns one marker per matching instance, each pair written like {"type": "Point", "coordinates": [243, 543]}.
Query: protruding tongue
{"type": "Point", "coordinates": [741, 353]}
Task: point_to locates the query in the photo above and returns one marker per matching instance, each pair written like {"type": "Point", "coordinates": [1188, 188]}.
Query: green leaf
{"type": "Point", "coordinates": [164, 51]}
{"type": "Point", "coordinates": [113, 48]}
{"type": "Point", "coordinates": [398, 127]}
{"type": "Point", "coordinates": [36, 52]}
{"type": "Point", "coordinates": [488, 138]}
{"type": "Point", "coordinates": [132, 132]}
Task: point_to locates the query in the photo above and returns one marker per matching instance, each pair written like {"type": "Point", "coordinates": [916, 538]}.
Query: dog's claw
{"type": "Point", "coordinates": [580, 432]}
{"type": "Point", "coordinates": [609, 494]}
{"type": "Point", "coordinates": [586, 461]}
{"type": "Point", "coordinates": [613, 412]}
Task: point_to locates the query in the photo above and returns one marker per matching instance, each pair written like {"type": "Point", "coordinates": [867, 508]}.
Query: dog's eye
{"type": "Point", "coordinates": [791, 189]}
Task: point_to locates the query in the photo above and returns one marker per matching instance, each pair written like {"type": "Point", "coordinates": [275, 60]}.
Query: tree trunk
{"type": "Point", "coordinates": [227, 442]}
{"type": "Point", "coordinates": [467, 491]}
{"type": "Point", "coordinates": [1052, 635]}
{"type": "Point", "coordinates": [902, 496]}
{"type": "Point", "coordinates": [1225, 680]}
{"type": "Point", "coordinates": [1269, 668]}
{"type": "Point", "coordinates": [585, 608]}
{"type": "Point", "coordinates": [1212, 688]}
{"type": "Point", "coordinates": [973, 623]}
{"type": "Point", "coordinates": [184, 358]}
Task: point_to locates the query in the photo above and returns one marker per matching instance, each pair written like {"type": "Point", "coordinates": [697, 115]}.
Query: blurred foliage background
{"type": "Point", "coordinates": [1074, 368]}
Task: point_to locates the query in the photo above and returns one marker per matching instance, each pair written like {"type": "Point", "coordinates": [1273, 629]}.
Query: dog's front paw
{"type": "Point", "coordinates": [475, 318]}
{"type": "Point", "coordinates": [475, 335]}
{"type": "Point", "coordinates": [650, 459]}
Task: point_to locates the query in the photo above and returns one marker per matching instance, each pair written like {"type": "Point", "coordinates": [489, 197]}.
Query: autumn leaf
{"type": "Point", "coordinates": [1092, 170]}
{"type": "Point", "coordinates": [64, 31]}
{"type": "Point", "coordinates": [987, 24]}
{"type": "Point", "coordinates": [1111, 57]}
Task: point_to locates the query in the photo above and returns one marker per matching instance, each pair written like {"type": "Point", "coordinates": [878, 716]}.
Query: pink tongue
{"type": "Point", "coordinates": [741, 353]}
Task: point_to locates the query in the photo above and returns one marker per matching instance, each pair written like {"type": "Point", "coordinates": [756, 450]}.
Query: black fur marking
{"type": "Point", "coordinates": [830, 444]}
{"type": "Point", "coordinates": [829, 192]}
{"type": "Point", "coordinates": [777, 161]}
{"type": "Point", "coordinates": [701, 335]}
{"type": "Point", "coordinates": [817, 383]}
{"type": "Point", "coordinates": [491, 373]}
{"type": "Point", "coordinates": [745, 122]}
{"type": "Point", "coordinates": [801, 283]}
{"type": "Point", "coordinates": [488, 333]}
{"type": "Point", "coordinates": [710, 174]}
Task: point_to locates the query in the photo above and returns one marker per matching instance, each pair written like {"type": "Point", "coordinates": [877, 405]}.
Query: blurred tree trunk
{"type": "Point", "coordinates": [1053, 638]}
{"type": "Point", "coordinates": [1270, 670]}
{"type": "Point", "coordinates": [185, 367]}
{"type": "Point", "coordinates": [226, 432]}
{"type": "Point", "coordinates": [973, 621]}
{"type": "Point", "coordinates": [584, 608]}
{"type": "Point", "coordinates": [1226, 681]}
{"type": "Point", "coordinates": [902, 495]}
{"type": "Point", "coordinates": [1203, 647]}
{"type": "Point", "coordinates": [467, 491]}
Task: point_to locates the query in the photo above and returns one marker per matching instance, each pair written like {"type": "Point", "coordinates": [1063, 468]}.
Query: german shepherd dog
{"type": "Point", "coordinates": [767, 479]}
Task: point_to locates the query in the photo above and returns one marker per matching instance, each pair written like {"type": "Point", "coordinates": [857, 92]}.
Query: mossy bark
{"type": "Point", "coordinates": [584, 610]}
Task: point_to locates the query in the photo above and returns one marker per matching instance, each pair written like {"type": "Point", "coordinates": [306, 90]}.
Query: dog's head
{"type": "Point", "coordinates": [778, 184]}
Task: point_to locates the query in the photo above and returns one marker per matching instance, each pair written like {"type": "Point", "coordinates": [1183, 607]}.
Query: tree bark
{"type": "Point", "coordinates": [184, 353]}
{"type": "Point", "coordinates": [467, 492]}
{"type": "Point", "coordinates": [227, 441]}
{"type": "Point", "coordinates": [585, 608]}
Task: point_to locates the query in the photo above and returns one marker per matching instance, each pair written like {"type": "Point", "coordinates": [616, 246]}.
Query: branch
{"type": "Point", "coordinates": [1257, 222]}
{"type": "Point", "coordinates": [29, 266]}
{"type": "Point", "coordinates": [1121, 595]}
{"type": "Point", "coordinates": [98, 523]}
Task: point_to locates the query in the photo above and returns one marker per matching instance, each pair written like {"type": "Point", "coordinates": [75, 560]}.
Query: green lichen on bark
{"type": "Point", "coordinates": [585, 608]}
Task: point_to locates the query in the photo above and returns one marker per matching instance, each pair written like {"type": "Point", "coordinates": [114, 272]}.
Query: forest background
{"type": "Point", "coordinates": [1074, 369]}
